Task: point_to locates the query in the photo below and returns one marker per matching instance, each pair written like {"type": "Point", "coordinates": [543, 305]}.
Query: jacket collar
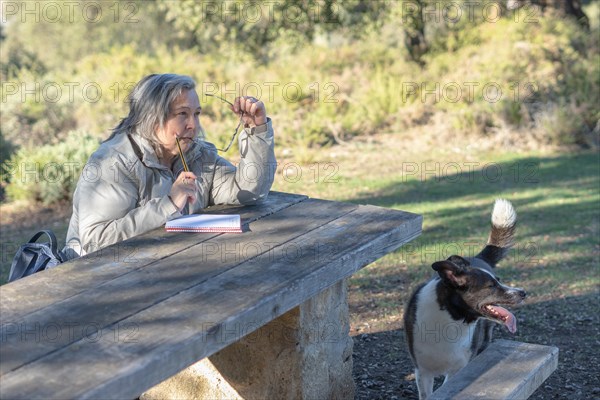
{"type": "Point", "coordinates": [145, 152]}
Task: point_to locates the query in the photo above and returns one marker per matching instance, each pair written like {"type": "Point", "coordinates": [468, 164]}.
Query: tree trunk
{"type": "Point", "coordinates": [414, 29]}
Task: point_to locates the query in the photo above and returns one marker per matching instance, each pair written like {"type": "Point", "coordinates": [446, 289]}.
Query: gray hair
{"type": "Point", "coordinates": [149, 103]}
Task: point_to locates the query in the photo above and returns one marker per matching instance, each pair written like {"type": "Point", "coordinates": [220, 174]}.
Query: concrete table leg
{"type": "Point", "coordinates": [304, 354]}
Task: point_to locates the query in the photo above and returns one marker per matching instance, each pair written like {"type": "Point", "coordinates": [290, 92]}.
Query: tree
{"type": "Point", "coordinates": [414, 29]}
{"type": "Point", "coordinates": [77, 29]}
{"type": "Point", "coordinates": [254, 26]}
{"type": "Point", "coordinates": [564, 7]}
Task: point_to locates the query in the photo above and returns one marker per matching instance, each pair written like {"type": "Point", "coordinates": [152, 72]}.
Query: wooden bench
{"type": "Point", "coordinates": [268, 307]}
{"type": "Point", "coordinates": [505, 370]}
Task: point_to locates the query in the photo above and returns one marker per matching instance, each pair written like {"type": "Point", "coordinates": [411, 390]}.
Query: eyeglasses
{"type": "Point", "coordinates": [235, 132]}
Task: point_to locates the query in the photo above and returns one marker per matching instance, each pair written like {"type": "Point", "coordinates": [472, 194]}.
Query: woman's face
{"type": "Point", "coordinates": [182, 122]}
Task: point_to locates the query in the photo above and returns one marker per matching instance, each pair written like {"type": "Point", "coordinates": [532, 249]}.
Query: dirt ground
{"type": "Point", "coordinates": [383, 370]}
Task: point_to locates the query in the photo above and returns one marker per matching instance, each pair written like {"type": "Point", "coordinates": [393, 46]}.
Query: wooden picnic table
{"type": "Point", "coordinates": [115, 323]}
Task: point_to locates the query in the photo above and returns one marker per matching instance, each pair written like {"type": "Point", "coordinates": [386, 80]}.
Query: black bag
{"type": "Point", "coordinates": [33, 257]}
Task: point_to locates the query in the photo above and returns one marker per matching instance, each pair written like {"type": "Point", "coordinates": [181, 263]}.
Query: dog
{"type": "Point", "coordinates": [450, 319]}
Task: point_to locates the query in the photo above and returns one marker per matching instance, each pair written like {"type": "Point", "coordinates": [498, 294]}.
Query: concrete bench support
{"type": "Point", "coordinates": [304, 354]}
{"type": "Point", "coordinates": [505, 370]}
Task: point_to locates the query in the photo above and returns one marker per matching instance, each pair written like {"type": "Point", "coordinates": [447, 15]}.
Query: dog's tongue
{"type": "Point", "coordinates": [510, 322]}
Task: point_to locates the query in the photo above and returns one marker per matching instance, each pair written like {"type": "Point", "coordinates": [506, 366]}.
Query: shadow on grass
{"type": "Point", "coordinates": [430, 182]}
{"type": "Point", "coordinates": [557, 231]}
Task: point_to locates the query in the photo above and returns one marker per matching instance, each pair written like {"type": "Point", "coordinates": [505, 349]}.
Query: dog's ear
{"type": "Point", "coordinates": [450, 272]}
{"type": "Point", "coordinates": [458, 260]}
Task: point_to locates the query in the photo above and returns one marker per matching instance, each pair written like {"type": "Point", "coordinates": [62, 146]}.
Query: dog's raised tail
{"type": "Point", "coordinates": [504, 222]}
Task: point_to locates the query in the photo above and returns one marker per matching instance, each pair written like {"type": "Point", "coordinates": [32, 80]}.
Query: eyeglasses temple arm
{"type": "Point", "coordinates": [220, 98]}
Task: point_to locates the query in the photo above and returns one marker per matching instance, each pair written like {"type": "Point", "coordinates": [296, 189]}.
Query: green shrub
{"type": "Point", "coordinates": [6, 150]}
{"type": "Point", "coordinates": [349, 86]}
{"type": "Point", "coordinates": [563, 125]}
{"type": "Point", "coordinates": [33, 111]}
{"type": "Point", "coordinates": [48, 173]}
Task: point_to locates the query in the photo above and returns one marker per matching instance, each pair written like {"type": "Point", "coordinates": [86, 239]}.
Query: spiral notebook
{"type": "Point", "coordinates": [206, 223]}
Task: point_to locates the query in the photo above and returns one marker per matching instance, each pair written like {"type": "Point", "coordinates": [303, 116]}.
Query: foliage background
{"type": "Point", "coordinates": [328, 71]}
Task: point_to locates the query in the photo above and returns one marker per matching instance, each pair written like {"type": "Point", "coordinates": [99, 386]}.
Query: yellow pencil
{"type": "Point", "coordinates": [185, 167]}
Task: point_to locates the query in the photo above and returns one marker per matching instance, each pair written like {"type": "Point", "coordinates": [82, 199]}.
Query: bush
{"type": "Point", "coordinates": [545, 72]}
{"type": "Point", "coordinates": [48, 173]}
{"type": "Point", "coordinates": [33, 112]}
{"type": "Point", "coordinates": [6, 150]}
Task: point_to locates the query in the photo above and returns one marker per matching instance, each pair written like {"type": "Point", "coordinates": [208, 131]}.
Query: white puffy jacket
{"type": "Point", "coordinates": [123, 189]}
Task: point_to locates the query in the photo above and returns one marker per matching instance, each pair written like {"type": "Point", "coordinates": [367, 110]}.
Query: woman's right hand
{"type": "Point", "coordinates": [184, 190]}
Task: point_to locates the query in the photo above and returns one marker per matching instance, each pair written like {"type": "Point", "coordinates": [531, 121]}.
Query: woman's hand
{"type": "Point", "coordinates": [184, 190]}
{"type": "Point", "coordinates": [253, 110]}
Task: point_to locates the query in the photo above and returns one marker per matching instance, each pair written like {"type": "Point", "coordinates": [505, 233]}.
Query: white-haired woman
{"type": "Point", "coordinates": [136, 182]}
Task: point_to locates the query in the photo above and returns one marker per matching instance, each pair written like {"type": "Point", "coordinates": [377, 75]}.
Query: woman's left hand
{"type": "Point", "coordinates": [253, 110]}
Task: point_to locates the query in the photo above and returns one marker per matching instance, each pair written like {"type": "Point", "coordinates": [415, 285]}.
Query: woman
{"type": "Point", "coordinates": [136, 182]}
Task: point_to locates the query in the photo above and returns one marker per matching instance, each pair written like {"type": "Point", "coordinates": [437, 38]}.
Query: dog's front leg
{"type": "Point", "coordinates": [424, 384]}
{"type": "Point", "coordinates": [453, 372]}
{"type": "Point", "coordinates": [448, 376]}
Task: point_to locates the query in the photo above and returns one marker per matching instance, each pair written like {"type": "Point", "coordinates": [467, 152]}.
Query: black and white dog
{"type": "Point", "coordinates": [450, 319]}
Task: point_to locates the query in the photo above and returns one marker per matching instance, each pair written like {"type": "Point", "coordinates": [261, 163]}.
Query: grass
{"type": "Point", "coordinates": [556, 196]}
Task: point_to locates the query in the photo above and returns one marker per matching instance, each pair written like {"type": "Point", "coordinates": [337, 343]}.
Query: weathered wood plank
{"type": "Point", "coordinates": [207, 317]}
{"type": "Point", "coordinates": [505, 370]}
{"type": "Point", "coordinates": [83, 314]}
{"type": "Point", "coordinates": [79, 275]}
